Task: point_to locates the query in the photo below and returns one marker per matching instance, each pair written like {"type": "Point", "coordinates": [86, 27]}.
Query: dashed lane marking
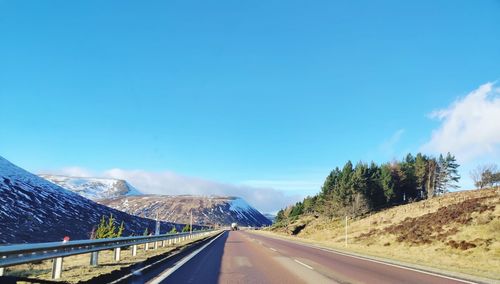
{"type": "Point", "coordinates": [301, 263]}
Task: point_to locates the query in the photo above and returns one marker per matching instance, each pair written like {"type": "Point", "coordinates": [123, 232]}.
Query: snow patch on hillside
{"type": "Point", "coordinates": [94, 188]}
{"type": "Point", "coordinates": [239, 205]}
{"type": "Point", "coordinates": [31, 204]}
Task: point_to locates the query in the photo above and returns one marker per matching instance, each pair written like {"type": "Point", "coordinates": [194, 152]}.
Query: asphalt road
{"type": "Point", "coordinates": [243, 257]}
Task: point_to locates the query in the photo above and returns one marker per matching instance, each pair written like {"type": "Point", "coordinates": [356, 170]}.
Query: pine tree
{"type": "Point", "coordinates": [110, 228]}
{"type": "Point", "coordinates": [173, 230]}
{"type": "Point", "coordinates": [107, 229]}
{"type": "Point", "coordinates": [186, 228]}
{"type": "Point", "coordinates": [409, 186]}
{"type": "Point", "coordinates": [120, 230]}
{"type": "Point", "coordinates": [308, 204]}
{"type": "Point", "coordinates": [280, 216]}
{"type": "Point", "coordinates": [387, 182]}
{"type": "Point", "coordinates": [101, 229]}
{"type": "Point", "coordinates": [451, 171]}
{"type": "Point", "coordinates": [421, 174]}
{"type": "Point", "coordinates": [432, 169]}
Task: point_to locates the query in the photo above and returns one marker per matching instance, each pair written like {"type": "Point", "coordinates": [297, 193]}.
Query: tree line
{"type": "Point", "coordinates": [108, 229]}
{"type": "Point", "coordinates": [358, 189]}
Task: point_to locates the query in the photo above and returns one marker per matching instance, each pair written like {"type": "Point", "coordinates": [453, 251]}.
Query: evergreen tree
{"type": "Point", "coordinates": [360, 189]}
{"type": "Point", "coordinates": [308, 204]}
{"type": "Point", "coordinates": [376, 192]}
{"type": "Point", "coordinates": [280, 216]}
{"type": "Point", "coordinates": [186, 228]}
{"type": "Point", "coordinates": [120, 230]}
{"type": "Point", "coordinates": [432, 170]}
{"type": "Point", "coordinates": [387, 182]}
{"type": "Point", "coordinates": [409, 183]}
{"type": "Point", "coordinates": [173, 230]}
{"type": "Point", "coordinates": [343, 192]}
{"type": "Point", "coordinates": [110, 228]}
{"type": "Point", "coordinates": [452, 171]}
{"type": "Point", "coordinates": [421, 173]}
{"type": "Point", "coordinates": [101, 229]}
{"type": "Point", "coordinates": [107, 229]}
{"type": "Point", "coordinates": [297, 210]}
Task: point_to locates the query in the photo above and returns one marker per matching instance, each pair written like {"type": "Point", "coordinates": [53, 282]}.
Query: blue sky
{"type": "Point", "coordinates": [262, 94]}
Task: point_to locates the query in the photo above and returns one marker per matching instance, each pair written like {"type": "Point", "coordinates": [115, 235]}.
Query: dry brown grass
{"type": "Point", "coordinates": [76, 268]}
{"type": "Point", "coordinates": [458, 232]}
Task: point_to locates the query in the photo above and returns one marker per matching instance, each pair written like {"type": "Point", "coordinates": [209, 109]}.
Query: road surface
{"type": "Point", "coordinates": [243, 257]}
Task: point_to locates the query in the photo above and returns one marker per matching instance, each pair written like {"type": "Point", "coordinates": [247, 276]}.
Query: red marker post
{"type": "Point", "coordinates": [57, 263]}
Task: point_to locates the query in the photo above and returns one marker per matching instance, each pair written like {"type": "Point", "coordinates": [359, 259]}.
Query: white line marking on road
{"type": "Point", "coordinates": [171, 270]}
{"type": "Point", "coordinates": [376, 261]}
{"type": "Point", "coordinates": [272, 249]}
{"type": "Point", "coordinates": [398, 266]}
{"type": "Point", "coordinates": [300, 262]}
{"type": "Point", "coordinates": [138, 271]}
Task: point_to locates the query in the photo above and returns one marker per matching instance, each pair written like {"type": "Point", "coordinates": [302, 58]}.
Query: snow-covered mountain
{"type": "Point", "coordinates": [36, 210]}
{"type": "Point", "coordinates": [206, 210]}
{"type": "Point", "coordinates": [94, 188]}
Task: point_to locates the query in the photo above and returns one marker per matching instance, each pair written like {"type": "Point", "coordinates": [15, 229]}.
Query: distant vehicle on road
{"type": "Point", "coordinates": [234, 227]}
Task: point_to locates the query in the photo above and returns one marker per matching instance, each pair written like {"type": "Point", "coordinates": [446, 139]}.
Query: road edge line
{"type": "Point", "coordinates": [144, 267]}
{"type": "Point", "coordinates": [180, 263]}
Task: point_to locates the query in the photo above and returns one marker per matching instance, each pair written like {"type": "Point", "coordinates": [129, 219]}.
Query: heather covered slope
{"type": "Point", "coordinates": [457, 231]}
{"type": "Point", "coordinates": [207, 210]}
{"type": "Point", "coordinates": [35, 210]}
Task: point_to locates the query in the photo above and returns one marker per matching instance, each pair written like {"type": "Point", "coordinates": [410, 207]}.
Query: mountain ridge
{"type": "Point", "coordinates": [36, 210]}
{"type": "Point", "coordinates": [93, 188]}
{"type": "Point", "coordinates": [207, 210]}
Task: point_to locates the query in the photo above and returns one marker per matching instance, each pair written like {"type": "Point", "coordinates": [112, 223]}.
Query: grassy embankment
{"type": "Point", "coordinates": [457, 232]}
{"type": "Point", "coordinates": [76, 268]}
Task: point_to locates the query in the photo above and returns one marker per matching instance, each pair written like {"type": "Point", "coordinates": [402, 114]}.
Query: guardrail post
{"type": "Point", "coordinates": [146, 246]}
{"type": "Point", "coordinates": [163, 243]}
{"type": "Point", "coordinates": [155, 245]}
{"type": "Point", "coordinates": [57, 267]}
{"type": "Point", "coordinates": [94, 258]}
{"type": "Point", "coordinates": [117, 254]}
{"type": "Point", "coordinates": [134, 250]}
{"type": "Point", "coordinates": [2, 269]}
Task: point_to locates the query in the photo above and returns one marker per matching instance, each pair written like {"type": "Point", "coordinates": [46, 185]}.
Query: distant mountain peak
{"type": "Point", "coordinates": [207, 210]}
{"type": "Point", "coordinates": [92, 187]}
{"type": "Point", "coordinates": [36, 210]}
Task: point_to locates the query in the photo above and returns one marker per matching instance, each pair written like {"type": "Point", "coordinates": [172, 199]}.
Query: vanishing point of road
{"type": "Point", "coordinates": [243, 257]}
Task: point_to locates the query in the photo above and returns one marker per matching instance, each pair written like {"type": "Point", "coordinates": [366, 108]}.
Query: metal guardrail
{"type": "Point", "coordinates": [27, 253]}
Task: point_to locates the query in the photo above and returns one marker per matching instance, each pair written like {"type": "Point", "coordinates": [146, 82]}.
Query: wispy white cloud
{"type": "Point", "coordinates": [388, 146]}
{"type": "Point", "coordinates": [470, 126]}
{"type": "Point", "coordinates": [73, 171]}
{"type": "Point", "coordinates": [303, 186]}
{"type": "Point", "coordinates": [264, 196]}
{"type": "Point", "coordinates": [266, 199]}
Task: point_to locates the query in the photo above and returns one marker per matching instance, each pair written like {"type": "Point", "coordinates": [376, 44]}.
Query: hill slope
{"type": "Point", "coordinates": [458, 231]}
{"type": "Point", "coordinates": [206, 210]}
{"type": "Point", "coordinates": [35, 210]}
{"type": "Point", "coordinates": [94, 188]}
